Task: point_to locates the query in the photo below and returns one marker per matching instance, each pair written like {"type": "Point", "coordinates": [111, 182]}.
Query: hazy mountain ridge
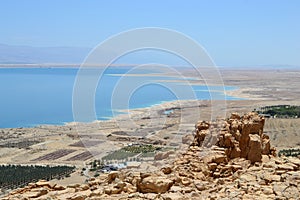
{"type": "Point", "coordinates": [11, 54]}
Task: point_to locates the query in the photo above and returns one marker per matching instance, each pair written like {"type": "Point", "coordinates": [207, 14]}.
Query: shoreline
{"type": "Point", "coordinates": [193, 81]}
{"type": "Point", "coordinates": [97, 139]}
{"type": "Point", "coordinates": [240, 92]}
{"type": "Point", "coordinates": [77, 144]}
{"type": "Point", "coordinates": [243, 93]}
{"type": "Point", "coordinates": [233, 94]}
{"type": "Point", "coordinates": [69, 131]}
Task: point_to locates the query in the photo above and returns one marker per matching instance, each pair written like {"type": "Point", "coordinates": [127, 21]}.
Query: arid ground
{"type": "Point", "coordinates": [77, 144]}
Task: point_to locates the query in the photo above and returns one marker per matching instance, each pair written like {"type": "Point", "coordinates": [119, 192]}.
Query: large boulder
{"type": "Point", "coordinates": [154, 184]}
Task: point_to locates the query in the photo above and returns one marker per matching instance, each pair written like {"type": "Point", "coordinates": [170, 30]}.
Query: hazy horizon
{"type": "Point", "coordinates": [234, 33]}
{"type": "Point", "coordinates": [67, 56]}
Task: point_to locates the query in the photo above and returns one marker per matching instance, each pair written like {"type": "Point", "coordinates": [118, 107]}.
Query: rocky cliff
{"type": "Point", "coordinates": [241, 137]}
{"type": "Point", "coordinates": [227, 159]}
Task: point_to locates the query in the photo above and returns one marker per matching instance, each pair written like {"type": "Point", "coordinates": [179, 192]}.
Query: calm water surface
{"type": "Point", "coordinates": [34, 96]}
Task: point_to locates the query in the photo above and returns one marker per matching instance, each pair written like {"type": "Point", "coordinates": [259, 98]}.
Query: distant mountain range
{"type": "Point", "coordinates": [11, 54]}
{"type": "Point", "coordinates": [14, 55]}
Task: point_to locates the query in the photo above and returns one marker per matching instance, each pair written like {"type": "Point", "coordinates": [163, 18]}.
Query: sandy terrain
{"type": "Point", "coordinates": [76, 144]}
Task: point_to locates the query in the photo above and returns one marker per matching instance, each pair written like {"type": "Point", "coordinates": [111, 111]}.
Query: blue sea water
{"type": "Point", "coordinates": [35, 96]}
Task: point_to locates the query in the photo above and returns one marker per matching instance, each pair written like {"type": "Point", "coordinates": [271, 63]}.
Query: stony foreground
{"type": "Point", "coordinates": [227, 159]}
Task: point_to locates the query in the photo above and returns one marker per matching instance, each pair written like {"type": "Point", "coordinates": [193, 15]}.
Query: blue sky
{"type": "Point", "coordinates": [235, 33]}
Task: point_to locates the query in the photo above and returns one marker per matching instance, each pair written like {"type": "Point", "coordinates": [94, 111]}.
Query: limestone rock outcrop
{"type": "Point", "coordinates": [228, 159]}
{"type": "Point", "coordinates": [241, 136]}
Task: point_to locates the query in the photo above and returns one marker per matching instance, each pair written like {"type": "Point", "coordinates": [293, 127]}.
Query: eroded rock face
{"type": "Point", "coordinates": [228, 159]}
{"type": "Point", "coordinates": [254, 153]}
{"type": "Point", "coordinates": [201, 132]}
{"type": "Point", "coordinates": [241, 136]}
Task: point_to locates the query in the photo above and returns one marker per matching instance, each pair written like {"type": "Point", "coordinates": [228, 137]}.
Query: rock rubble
{"type": "Point", "coordinates": [227, 159]}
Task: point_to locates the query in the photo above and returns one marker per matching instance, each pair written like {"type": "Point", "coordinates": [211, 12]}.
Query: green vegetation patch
{"type": "Point", "coordinates": [119, 155]}
{"type": "Point", "coordinates": [280, 111]}
{"type": "Point", "coordinates": [131, 151]}
{"type": "Point", "coordinates": [141, 148]}
{"type": "Point", "coordinates": [289, 152]}
{"type": "Point", "coordinates": [14, 176]}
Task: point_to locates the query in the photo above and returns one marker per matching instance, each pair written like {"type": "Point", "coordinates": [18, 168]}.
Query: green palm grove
{"type": "Point", "coordinates": [14, 176]}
